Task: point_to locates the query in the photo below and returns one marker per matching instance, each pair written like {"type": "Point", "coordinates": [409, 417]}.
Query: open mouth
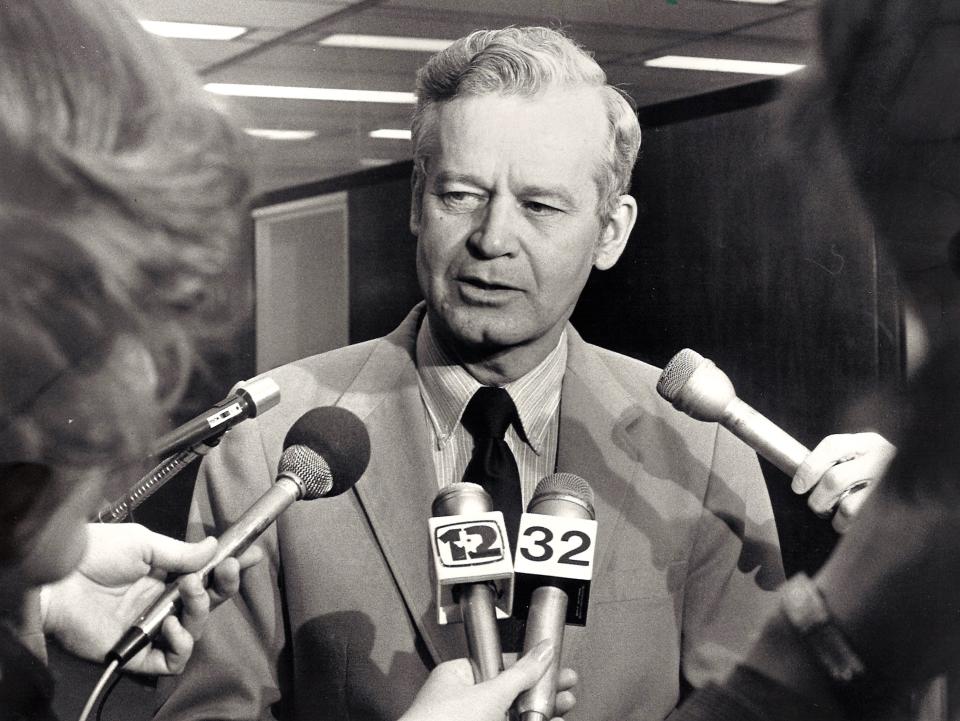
{"type": "Point", "coordinates": [485, 285]}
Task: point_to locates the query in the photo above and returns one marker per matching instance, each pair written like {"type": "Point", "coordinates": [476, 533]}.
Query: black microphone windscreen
{"type": "Point", "coordinates": [339, 437]}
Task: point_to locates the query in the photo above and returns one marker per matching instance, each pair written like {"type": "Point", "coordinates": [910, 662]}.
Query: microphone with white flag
{"type": "Point", "coordinates": [472, 571]}
{"type": "Point", "coordinates": [555, 551]}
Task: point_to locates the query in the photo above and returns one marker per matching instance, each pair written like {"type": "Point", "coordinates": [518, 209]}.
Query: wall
{"type": "Point", "coordinates": [761, 259]}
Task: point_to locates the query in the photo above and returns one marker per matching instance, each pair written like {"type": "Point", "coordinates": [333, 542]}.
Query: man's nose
{"type": "Point", "coordinates": [497, 232]}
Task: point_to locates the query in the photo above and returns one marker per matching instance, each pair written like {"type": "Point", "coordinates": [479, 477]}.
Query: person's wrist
{"type": "Point", "coordinates": [780, 654]}
{"type": "Point", "coordinates": [861, 688]}
{"type": "Point", "coordinates": [805, 608]}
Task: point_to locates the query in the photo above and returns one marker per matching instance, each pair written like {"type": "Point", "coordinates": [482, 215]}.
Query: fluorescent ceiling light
{"type": "Point", "coordinates": [193, 31]}
{"type": "Point", "coordinates": [303, 93]}
{"type": "Point", "coordinates": [386, 42]}
{"type": "Point", "coordinates": [277, 134]}
{"type": "Point", "coordinates": [720, 65]}
{"type": "Point", "coordinates": [375, 162]}
{"type": "Point", "coordinates": [391, 134]}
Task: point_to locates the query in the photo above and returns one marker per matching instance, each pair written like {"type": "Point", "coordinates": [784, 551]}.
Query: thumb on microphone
{"type": "Point", "coordinates": [450, 691]}
{"type": "Point", "coordinates": [523, 674]}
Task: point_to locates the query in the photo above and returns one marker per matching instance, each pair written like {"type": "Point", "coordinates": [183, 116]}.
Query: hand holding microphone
{"type": "Point", "coordinates": [555, 548]}
{"type": "Point", "coordinates": [451, 693]}
{"type": "Point", "coordinates": [123, 568]}
{"type": "Point", "coordinates": [326, 452]}
{"type": "Point", "coordinates": [841, 469]}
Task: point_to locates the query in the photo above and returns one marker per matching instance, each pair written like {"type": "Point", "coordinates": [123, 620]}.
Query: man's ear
{"type": "Point", "coordinates": [613, 237]}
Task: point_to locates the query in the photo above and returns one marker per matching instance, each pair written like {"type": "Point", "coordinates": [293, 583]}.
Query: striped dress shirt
{"type": "Point", "coordinates": [446, 388]}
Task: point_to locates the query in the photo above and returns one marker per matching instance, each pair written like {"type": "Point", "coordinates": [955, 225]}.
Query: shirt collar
{"type": "Point", "coordinates": [446, 388]}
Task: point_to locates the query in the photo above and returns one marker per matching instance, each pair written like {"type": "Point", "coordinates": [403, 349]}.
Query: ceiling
{"type": "Point", "coordinates": [282, 48]}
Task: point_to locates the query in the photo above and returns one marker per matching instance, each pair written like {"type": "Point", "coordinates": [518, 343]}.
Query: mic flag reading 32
{"type": "Point", "coordinates": [554, 564]}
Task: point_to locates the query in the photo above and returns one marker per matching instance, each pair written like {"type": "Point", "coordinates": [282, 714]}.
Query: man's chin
{"type": "Point", "coordinates": [480, 330]}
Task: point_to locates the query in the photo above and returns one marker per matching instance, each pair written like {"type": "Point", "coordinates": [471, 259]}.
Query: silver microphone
{"type": "Point", "coordinates": [189, 441]}
{"type": "Point", "coordinates": [326, 451]}
{"type": "Point", "coordinates": [694, 385]}
{"type": "Point", "coordinates": [568, 496]}
{"type": "Point", "coordinates": [477, 601]}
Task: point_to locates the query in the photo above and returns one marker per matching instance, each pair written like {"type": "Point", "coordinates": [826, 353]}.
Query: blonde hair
{"type": "Point", "coordinates": [525, 61]}
{"type": "Point", "coordinates": [122, 194]}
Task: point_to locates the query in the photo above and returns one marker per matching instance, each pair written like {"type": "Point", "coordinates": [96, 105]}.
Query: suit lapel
{"type": "Point", "coordinates": [593, 407]}
{"type": "Point", "coordinates": [399, 485]}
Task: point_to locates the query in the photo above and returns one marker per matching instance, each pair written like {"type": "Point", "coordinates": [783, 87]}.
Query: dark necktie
{"type": "Point", "coordinates": [492, 465]}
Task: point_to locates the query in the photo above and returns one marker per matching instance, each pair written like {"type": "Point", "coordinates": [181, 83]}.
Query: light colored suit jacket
{"type": "Point", "coordinates": [339, 622]}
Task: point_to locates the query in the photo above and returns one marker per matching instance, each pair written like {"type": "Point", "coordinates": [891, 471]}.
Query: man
{"type": "Point", "coordinates": [523, 156]}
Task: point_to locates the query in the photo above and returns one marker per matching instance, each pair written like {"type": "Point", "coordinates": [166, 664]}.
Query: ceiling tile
{"type": "Point", "coordinates": [620, 33]}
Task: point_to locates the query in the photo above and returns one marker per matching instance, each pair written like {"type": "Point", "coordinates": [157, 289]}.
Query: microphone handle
{"type": "Point", "coordinates": [152, 482]}
{"type": "Point", "coordinates": [764, 436]}
{"type": "Point", "coordinates": [479, 610]}
{"type": "Point", "coordinates": [546, 619]}
{"type": "Point", "coordinates": [234, 541]}
{"type": "Point", "coordinates": [214, 422]}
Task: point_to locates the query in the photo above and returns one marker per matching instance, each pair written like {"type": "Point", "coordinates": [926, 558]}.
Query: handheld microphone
{"type": "Point", "coordinates": [471, 553]}
{"type": "Point", "coordinates": [326, 452]}
{"type": "Point", "coordinates": [560, 517]}
{"type": "Point", "coordinates": [247, 400]}
{"type": "Point", "coordinates": [250, 399]}
{"type": "Point", "coordinates": [694, 385]}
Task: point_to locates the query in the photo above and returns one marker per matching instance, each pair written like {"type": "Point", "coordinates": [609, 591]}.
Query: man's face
{"type": "Point", "coordinates": [508, 229]}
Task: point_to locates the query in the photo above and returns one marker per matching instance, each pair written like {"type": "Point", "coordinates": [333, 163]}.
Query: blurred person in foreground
{"type": "Point", "coordinates": [883, 615]}
{"type": "Point", "coordinates": [120, 196]}
{"type": "Point", "coordinates": [121, 193]}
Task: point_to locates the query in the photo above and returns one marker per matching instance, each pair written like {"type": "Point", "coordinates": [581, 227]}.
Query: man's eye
{"type": "Point", "coordinates": [461, 200]}
{"type": "Point", "coordinates": [540, 208]}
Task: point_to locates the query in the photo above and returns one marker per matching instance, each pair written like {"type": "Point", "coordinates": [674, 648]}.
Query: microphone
{"type": "Point", "coordinates": [471, 554]}
{"type": "Point", "coordinates": [250, 399]}
{"type": "Point", "coordinates": [325, 453]}
{"type": "Point", "coordinates": [560, 516]}
{"type": "Point", "coordinates": [247, 400]}
{"type": "Point", "coordinates": [694, 385]}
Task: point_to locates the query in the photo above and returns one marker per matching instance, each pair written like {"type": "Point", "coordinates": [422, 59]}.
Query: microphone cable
{"type": "Point", "coordinates": [111, 671]}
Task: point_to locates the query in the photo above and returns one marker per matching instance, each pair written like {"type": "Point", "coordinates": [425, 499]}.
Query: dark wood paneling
{"type": "Point", "coordinates": [383, 278]}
